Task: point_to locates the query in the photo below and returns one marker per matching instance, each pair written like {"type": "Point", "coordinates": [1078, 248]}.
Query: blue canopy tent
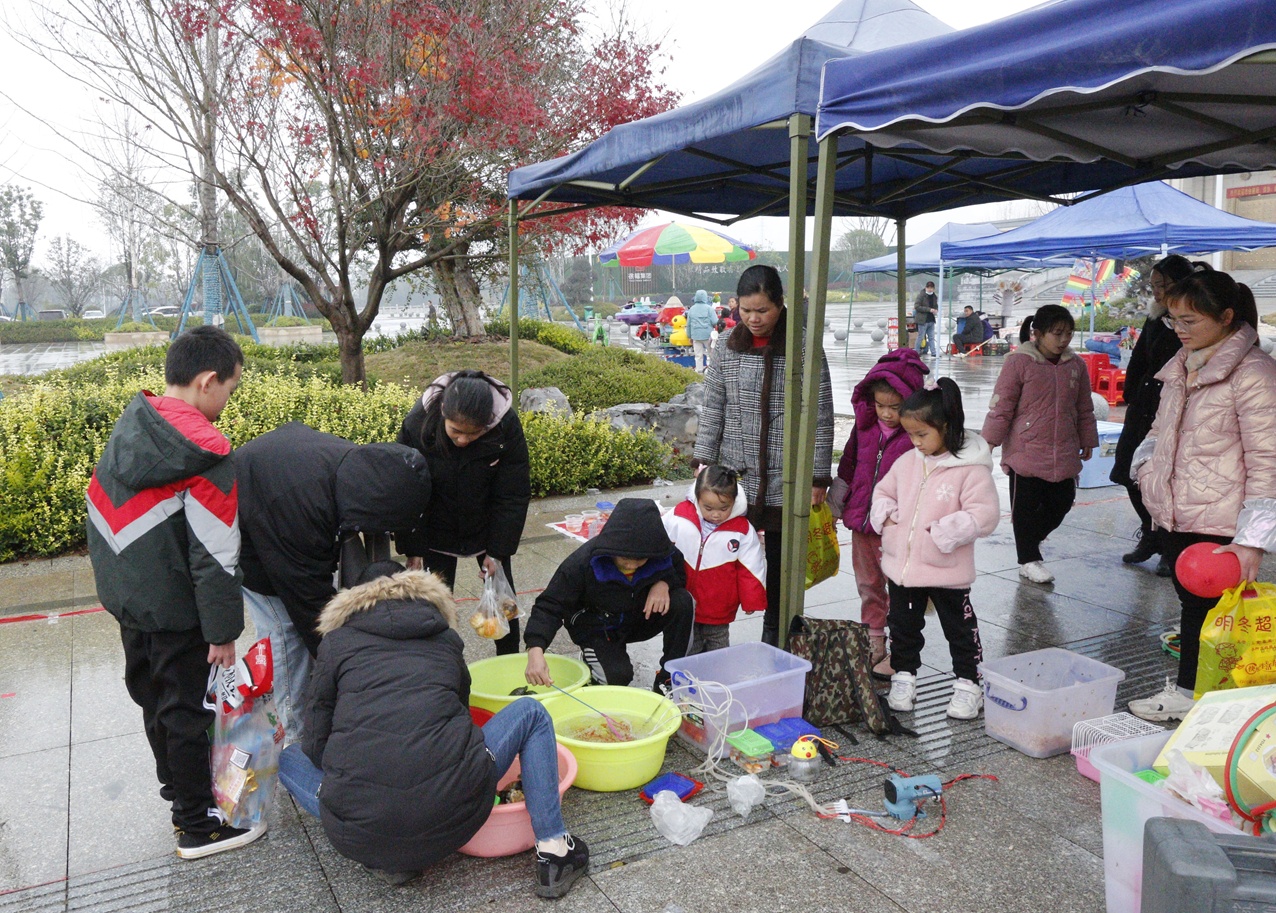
{"type": "Point", "coordinates": [926, 256]}
{"type": "Point", "coordinates": [1151, 218]}
{"type": "Point", "coordinates": [742, 152]}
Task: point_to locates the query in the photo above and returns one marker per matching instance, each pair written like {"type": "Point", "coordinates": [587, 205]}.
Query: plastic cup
{"type": "Point", "coordinates": [591, 516]}
{"type": "Point", "coordinates": [574, 522]}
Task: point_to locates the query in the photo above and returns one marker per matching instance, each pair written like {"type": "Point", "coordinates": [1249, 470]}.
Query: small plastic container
{"type": "Point", "coordinates": [1088, 734]}
{"type": "Point", "coordinates": [804, 770]}
{"type": "Point", "coordinates": [574, 522]}
{"type": "Point", "coordinates": [767, 683]}
{"type": "Point", "coordinates": [750, 752]}
{"type": "Point", "coordinates": [1034, 699]}
{"type": "Point", "coordinates": [782, 734]}
{"type": "Point", "coordinates": [605, 508]}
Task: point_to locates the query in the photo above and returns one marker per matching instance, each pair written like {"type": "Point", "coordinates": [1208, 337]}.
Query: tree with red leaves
{"type": "Point", "coordinates": [365, 140]}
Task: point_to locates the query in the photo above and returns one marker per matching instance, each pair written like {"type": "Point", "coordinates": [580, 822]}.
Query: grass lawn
{"type": "Point", "coordinates": [417, 363]}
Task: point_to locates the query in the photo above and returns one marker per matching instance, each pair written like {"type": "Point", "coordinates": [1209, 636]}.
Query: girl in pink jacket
{"type": "Point", "coordinates": [934, 503]}
{"type": "Point", "coordinates": [725, 566]}
{"type": "Point", "coordinates": [1042, 418]}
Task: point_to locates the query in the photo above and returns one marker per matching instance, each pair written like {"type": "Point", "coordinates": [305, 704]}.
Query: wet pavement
{"type": "Point", "coordinates": [82, 826]}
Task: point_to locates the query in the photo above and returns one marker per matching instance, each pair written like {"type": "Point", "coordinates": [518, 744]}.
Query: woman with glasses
{"type": "Point", "coordinates": [1207, 470]}
{"type": "Point", "coordinates": [1157, 345]}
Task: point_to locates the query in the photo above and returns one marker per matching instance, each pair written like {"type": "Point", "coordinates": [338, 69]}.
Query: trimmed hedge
{"type": "Point", "coordinates": [603, 377]}
{"type": "Point", "coordinates": [556, 336]}
{"type": "Point", "coordinates": [53, 430]}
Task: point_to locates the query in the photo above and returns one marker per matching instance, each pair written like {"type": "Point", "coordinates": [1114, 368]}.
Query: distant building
{"type": "Point", "coordinates": [1250, 195]}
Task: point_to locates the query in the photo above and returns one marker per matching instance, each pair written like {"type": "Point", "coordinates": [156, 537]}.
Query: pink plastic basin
{"type": "Point", "coordinates": [508, 830]}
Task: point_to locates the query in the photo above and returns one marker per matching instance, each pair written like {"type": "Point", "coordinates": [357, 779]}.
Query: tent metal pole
{"type": "Point", "coordinates": [850, 307]}
{"type": "Point", "coordinates": [513, 296]}
{"type": "Point", "coordinates": [944, 309]}
{"type": "Point", "coordinates": [796, 505]}
{"type": "Point", "coordinates": [901, 282]}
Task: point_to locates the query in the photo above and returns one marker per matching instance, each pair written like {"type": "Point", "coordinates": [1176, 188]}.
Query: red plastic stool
{"type": "Point", "coordinates": [1094, 363]}
{"type": "Point", "coordinates": [1111, 385]}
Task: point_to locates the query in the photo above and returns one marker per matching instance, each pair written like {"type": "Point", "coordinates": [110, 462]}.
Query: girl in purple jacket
{"type": "Point", "coordinates": [1042, 417]}
{"type": "Point", "coordinates": [876, 442]}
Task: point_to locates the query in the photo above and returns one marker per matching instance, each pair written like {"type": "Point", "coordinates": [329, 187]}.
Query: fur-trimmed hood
{"type": "Point", "coordinates": [411, 587]}
{"type": "Point", "coordinates": [1030, 349]}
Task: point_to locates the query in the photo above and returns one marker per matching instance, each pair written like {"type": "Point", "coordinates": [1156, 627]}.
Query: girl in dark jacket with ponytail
{"type": "Point", "coordinates": [466, 426]}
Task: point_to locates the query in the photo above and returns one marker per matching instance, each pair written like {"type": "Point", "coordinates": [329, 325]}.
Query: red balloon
{"type": "Point", "coordinates": [1206, 574]}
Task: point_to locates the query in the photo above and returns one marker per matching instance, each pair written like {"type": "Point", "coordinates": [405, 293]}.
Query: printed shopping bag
{"type": "Point", "coordinates": [839, 686]}
{"type": "Point", "coordinates": [823, 557]}
{"type": "Point", "coordinates": [1238, 646]}
{"type": "Point", "coordinates": [247, 736]}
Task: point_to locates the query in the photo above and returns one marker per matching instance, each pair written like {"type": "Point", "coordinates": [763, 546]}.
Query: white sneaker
{"type": "Point", "coordinates": [1168, 704]}
{"type": "Point", "coordinates": [967, 700]}
{"type": "Point", "coordinates": [1036, 572]}
{"type": "Point", "coordinates": [903, 692]}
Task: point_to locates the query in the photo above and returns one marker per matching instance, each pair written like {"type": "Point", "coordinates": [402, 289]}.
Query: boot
{"type": "Point", "coordinates": [1144, 550]}
{"type": "Point", "coordinates": [878, 656]}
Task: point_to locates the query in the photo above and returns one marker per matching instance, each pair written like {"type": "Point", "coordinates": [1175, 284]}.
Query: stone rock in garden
{"type": "Point", "coordinates": [1101, 407]}
{"type": "Point", "coordinates": [544, 399]}
{"type": "Point", "coordinates": [692, 396]}
{"type": "Point", "coordinates": [675, 424]}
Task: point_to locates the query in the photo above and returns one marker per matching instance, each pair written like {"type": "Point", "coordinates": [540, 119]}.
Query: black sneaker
{"type": "Point", "coordinates": [555, 875]}
{"type": "Point", "coordinates": [1142, 552]}
{"type": "Point", "coordinates": [1164, 568]}
{"type": "Point", "coordinates": [219, 840]}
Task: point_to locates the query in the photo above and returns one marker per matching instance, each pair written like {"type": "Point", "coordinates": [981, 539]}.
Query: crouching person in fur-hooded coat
{"type": "Point", "coordinates": [406, 775]}
{"type": "Point", "coordinates": [392, 762]}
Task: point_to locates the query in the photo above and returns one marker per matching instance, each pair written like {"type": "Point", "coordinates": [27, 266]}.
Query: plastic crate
{"type": "Point", "coordinates": [1128, 802]}
{"type": "Point", "coordinates": [1034, 699]}
{"type": "Point", "coordinates": [767, 684]}
{"type": "Point", "coordinates": [1088, 734]}
{"type": "Point", "coordinates": [1096, 471]}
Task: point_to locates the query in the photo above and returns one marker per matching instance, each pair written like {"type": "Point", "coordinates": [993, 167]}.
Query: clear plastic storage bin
{"type": "Point", "coordinates": [1034, 699]}
{"type": "Point", "coordinates": [1128, 802]}
{"type": "Point", "coordinates": [767, 684]}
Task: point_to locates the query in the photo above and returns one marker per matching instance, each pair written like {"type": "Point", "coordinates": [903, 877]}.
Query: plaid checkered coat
{"type": "Point", "coordinates": [742, 424]}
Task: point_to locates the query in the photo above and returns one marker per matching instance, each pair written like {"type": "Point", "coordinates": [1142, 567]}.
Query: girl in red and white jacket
{"type": "Point", "coordinates": [934, 503]}
{"type": "Point", "coordinates": [726, 568]}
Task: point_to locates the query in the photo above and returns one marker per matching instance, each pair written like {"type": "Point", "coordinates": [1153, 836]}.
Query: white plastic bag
{"type": "Point", "coordinates": [506, 598]}
{"type": "Point", "coordinates": [676, 821]}
{"type": "Point", "coordinates": [247, 736]}
{"type": "Point", "coordinates": [1196, 786]}
{"type": "Point", "coordinates": [745, 793]}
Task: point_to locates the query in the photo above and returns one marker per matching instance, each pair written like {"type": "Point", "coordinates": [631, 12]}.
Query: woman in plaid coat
{"type": "Point", "coordinates": [742, 425]}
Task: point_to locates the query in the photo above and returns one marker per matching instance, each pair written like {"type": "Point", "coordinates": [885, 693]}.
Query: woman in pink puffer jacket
{"type": "Point", "coordinates": [1042, 417]}
{"type": "Point", "coordinates": [1207, 470]}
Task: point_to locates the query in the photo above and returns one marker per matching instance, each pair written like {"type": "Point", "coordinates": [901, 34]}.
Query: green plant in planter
{"type": "Point", "coordinates": [134, 326]}
{"type": "Point", "coordinates": [289, 322]}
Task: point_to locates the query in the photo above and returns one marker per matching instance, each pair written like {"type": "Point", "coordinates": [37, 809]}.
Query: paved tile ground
{"type": "Point", "coordinates": [82, 826]}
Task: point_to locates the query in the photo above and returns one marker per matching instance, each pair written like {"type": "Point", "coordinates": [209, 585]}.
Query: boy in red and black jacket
{"type": "Point", "coordinates": [163, 535]}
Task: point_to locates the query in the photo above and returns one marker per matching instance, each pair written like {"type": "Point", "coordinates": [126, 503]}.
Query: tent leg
{"type": "Point", "coordinates": [796, 507]}
{"type": "Point", "coordinates": [901, 282]}
{"type": "Point", "coordinates": [850, 308]}
{"type": "Point", "coordinates": [513, 296]}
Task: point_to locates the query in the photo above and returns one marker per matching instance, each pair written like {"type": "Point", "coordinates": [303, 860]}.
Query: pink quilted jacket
{"type": "Point", "coordinates": [1041, 415]}
{"type": "Point", "coordinates": [1215, 441]}
{"type": "Point", "coordinates": [937, 518]}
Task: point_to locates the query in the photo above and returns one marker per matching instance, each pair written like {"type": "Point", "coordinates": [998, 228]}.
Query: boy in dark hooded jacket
{"type": "Point", "coordinates": [627, 585]}
{"type": "Point", "coordinates": [164, 543]}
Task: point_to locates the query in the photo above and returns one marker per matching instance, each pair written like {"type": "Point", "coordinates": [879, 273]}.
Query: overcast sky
{"type": "Point", "coordinates": [708, 44]}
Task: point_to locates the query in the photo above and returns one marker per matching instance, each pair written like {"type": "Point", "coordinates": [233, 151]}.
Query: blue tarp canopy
{"type": "Point", "coordinates": [1075, 95]}
{"type": "Point", "coordinates": [924, 256]}
{"type": "Point", "coordinates": [727, 153]}
{"type": "Point", "coordinates": [1150, 218]}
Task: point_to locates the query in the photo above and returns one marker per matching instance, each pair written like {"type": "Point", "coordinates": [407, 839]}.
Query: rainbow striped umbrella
{"type": "Point", "coordinates": [674, 243]}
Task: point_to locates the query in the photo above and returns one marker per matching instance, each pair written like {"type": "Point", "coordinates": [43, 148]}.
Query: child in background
{"type": "Point", "coordinates": [1042, 417]}
{"type": "Point", "coordinates": [726, 569]}
{"type": "Point", "coordinates": [877, 440]}
{"type": "Point", "coordinates": [931, 507]}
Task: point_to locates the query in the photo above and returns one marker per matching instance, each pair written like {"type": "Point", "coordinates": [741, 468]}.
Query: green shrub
{"type": "Point", "coordinates": [135, 326]}
{"type": "Point", "coordinates": [572, 453]}
{"type": "Point", "coordinates": [289, 322]}
{"type": "Point", "coordinates": [604, 377]}
{"type": "Point", "coordinates": [565, 339]}
{"type": "Point", "coordinates": [52, 432]}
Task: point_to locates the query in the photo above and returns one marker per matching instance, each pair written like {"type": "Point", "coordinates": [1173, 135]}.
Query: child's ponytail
{"type": "Point", "coordinates": [954, 414]}
{"type": "Point", "coordinates": [941, 408]}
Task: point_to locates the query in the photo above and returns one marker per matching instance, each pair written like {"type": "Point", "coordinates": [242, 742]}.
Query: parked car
{"type": "Point", "coordinates": [166, 310]}
{"type": "Point", "coordinates": [51, 314]}
{"type": "Point", "coordinates": [93, 314]}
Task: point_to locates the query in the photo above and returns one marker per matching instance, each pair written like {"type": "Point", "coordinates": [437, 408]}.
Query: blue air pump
{"type": "Point", "coordinates": [904, 795]}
